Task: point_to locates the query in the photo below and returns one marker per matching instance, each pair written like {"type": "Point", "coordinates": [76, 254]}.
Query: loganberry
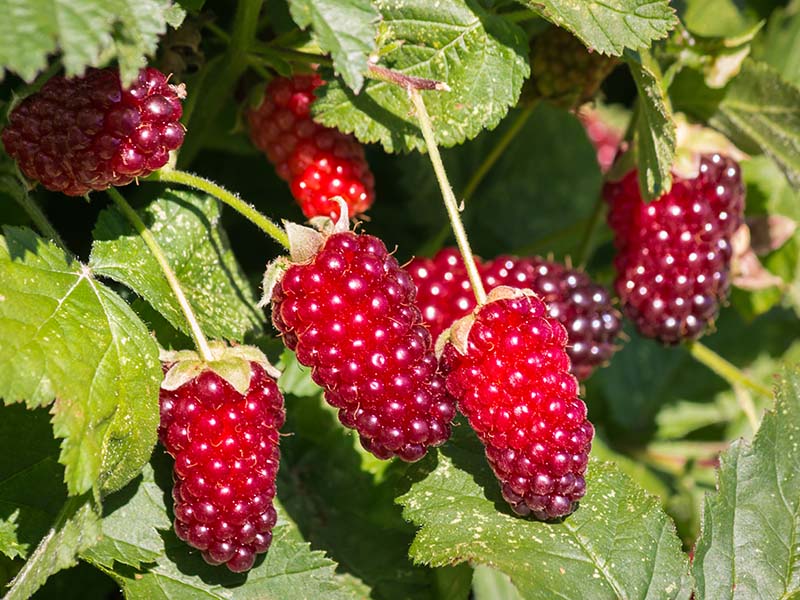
{"type": "Point", "coordinates": [510, 375]}
{"type": "Point", "coordinates": [90, 133]}
{"type": "Point", "coordinates": [583, 307]}
{"type": "Point", "coordinates": [318, 162]}
{"type": "Point", "coordinates": [349, 314]}
{"type": "Point", "coordinates": [674, 253]}
{"type": "Point", "coordinates": [225, 445]}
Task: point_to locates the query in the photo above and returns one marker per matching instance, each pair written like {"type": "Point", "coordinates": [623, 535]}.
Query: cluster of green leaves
{"type": "Point", "coordinates": [80, 481]}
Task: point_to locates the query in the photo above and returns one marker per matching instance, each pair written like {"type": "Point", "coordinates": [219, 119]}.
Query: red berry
{"type": "Point", "coordinates": [674, 253]}
{"type": "Point", "coordinates": [318, 162]}
{"type": "Point", "coordinates": [583, 307]}
{"type": "Point", "coordinates": [513, 384]}
{"type": "Point", "coordinates": [225, 446]}
{"type": "Point", "coordinates": [88, 133]}
{"type": "Point", "coordinates": [349, 314]}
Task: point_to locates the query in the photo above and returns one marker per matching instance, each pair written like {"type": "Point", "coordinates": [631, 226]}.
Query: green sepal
{"type": "Point", "coordinates": [231, 363]}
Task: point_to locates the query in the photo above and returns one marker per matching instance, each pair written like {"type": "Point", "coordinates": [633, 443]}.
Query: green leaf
{"type": "Point", "coordinates": [64, 335]}
{"type": "Point", "coordinates": [758, 111]}
{"type": "Point", "coordinates": [187, 226]}
{"type": "Point", "coordinates": [31, 488]}
{"type": "Point", "coordinates": [610, 26]}
{"type": "Point", "coordinates": [749, 547]}
{"type": "Point", "coordinates": [655, 129]}
{"type": "Point", "coordinates": [86, 32]}
{"type": "Point", "coordinates": [482, 57]}
{"type": "Point", "coordinates": [619, 544]}
{"type": "Point", "coordinates": [140, 502]}
{"type": "Point", "coordinates": [9, 543]}
{"type": "Point", "coordinates": [344, 28]}
{"type": "Point", "coordinates": [780, 45]}
{"type": "Point", "coordinates": [325, 487]}
{"type": "Point", "coordinates": [714, 18]}
{"type": "Point", "coordinates": [75, 530]}
{"type": "Point", "coordinates": [491, 584]}
{"type": "Point", "coordinates": [289, 570]}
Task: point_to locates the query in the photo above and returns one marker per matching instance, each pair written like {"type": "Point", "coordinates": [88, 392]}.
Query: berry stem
{"type": "Point", "coordinates": [132, 216]}
{"type": "Point", "coordinates": [586, 246]}
{"type": "Point", "coordinates": [728, 372]}
{"type": "Point", "coordinates": [483, 169]}
{"type": "Point", "coordinates": [39, 219]}
{"type": "Point", "coordinates": [248, 211]}
{"type": "Point", "coordinates": [447, 195]}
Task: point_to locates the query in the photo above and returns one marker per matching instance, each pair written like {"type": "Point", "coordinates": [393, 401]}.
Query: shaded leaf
{"type": "Point", "coordinates": [64, 335]}
{"type": "Point", "coordinates": [289, 570]}
{"type": "Point", "coordinates": [75, 529]}
{"type": "Point", "coordinates": [187, 227]}
{"type": "Point", "coordinates": [758, 111]}
{"type": "Point", "coordinates": [482, 57]}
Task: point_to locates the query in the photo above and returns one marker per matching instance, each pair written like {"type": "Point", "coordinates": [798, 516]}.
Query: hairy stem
{"type": "Point", "coordinates": [448, 196]}
{"type": "Point", "coordinates": [726, 370]}
{"type": "Point", "coordinates": [219, 79]}
{"type": "Point", "coordinates": [586, 246]}
{"type": "Point", "coordinates": [39, 219]}
{"type": "Point", "coordinates": [194, 327]}
{"type": "Point", "coordinates": [248, 211]}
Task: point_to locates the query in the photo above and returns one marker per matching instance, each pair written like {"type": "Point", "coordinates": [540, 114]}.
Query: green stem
{"type": "Point", "coordinates": [519, 16]}
{"type": "Point", "coordinates": [155, 249]}
{"type": "Point", "coordinates": [39, 219]}
{"type": "Point", "coordinates": [289, 55]}
{"type": "Point", "coordinates": [497, 151]}
{"type": "Point", "coordinates": [726, 370]}
{"type": "Point", "coordinates": [220, 78]}
{"type": "Point", "coordinates": [448, 196]}
{"type": "Point", "coordinates": [586, 247]}
{"type": "Point", "coordinates": [248, 211]}
{"type": "Point", "coordinates": [483, 169]}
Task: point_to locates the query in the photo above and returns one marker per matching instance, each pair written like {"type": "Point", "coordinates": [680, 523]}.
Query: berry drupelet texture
{"type": "Point", "coordinates": [583, 307]}
{"type": "Point", "coordinates": [225, 446]}
{"type": "Point", "coordinates": [674, 253]}
{"type": "Point", "coordinates": [563, 70]}
{"type": "Point", "coordinates": [349, 314]}
{"type": "Point", "coordinates": [318, 162]}
{"type": "Point", "coordinates": [514, 386]}
{"type": "Point", "coordinates": [90, 133]}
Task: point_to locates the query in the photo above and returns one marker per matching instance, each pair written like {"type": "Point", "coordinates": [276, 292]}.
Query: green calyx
{"type": "Point", "coordinates": [231, 363]}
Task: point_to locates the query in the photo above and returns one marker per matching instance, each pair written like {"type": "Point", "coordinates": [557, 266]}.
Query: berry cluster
{"type": "Point", "coordinates": [349, 314]}
{"type": "Point", "coordinates": [89, 133]}
{"type": "Point", "coordinates": [583, 307]}
{"type": "Point", "coordinates": [563, 71]}
{"type": "Point", "coordinates": [225, 446]}
{"type": "Point", "coordinates": [674, 253]}
{"type": "Point", "coordinates": [318, 162]}
{"type": "Point", "coordinates": [512, 382]}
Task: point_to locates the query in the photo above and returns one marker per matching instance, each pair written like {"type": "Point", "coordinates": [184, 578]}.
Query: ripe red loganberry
{"type": "Point", "coordinates": [674, 253]}
{"type": "Point", "coordinates": [583, 307]}
{"type": "Point", "coordinates": [318, 162]}
{"type": "Point", "coordinates": [225, 446]}
{"type": "Point", "coordinates": [349, 314]}
{"type": "Point", "coordinates": [89, 133]}
{"type": "Point", "coordinates": [510, 375]}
